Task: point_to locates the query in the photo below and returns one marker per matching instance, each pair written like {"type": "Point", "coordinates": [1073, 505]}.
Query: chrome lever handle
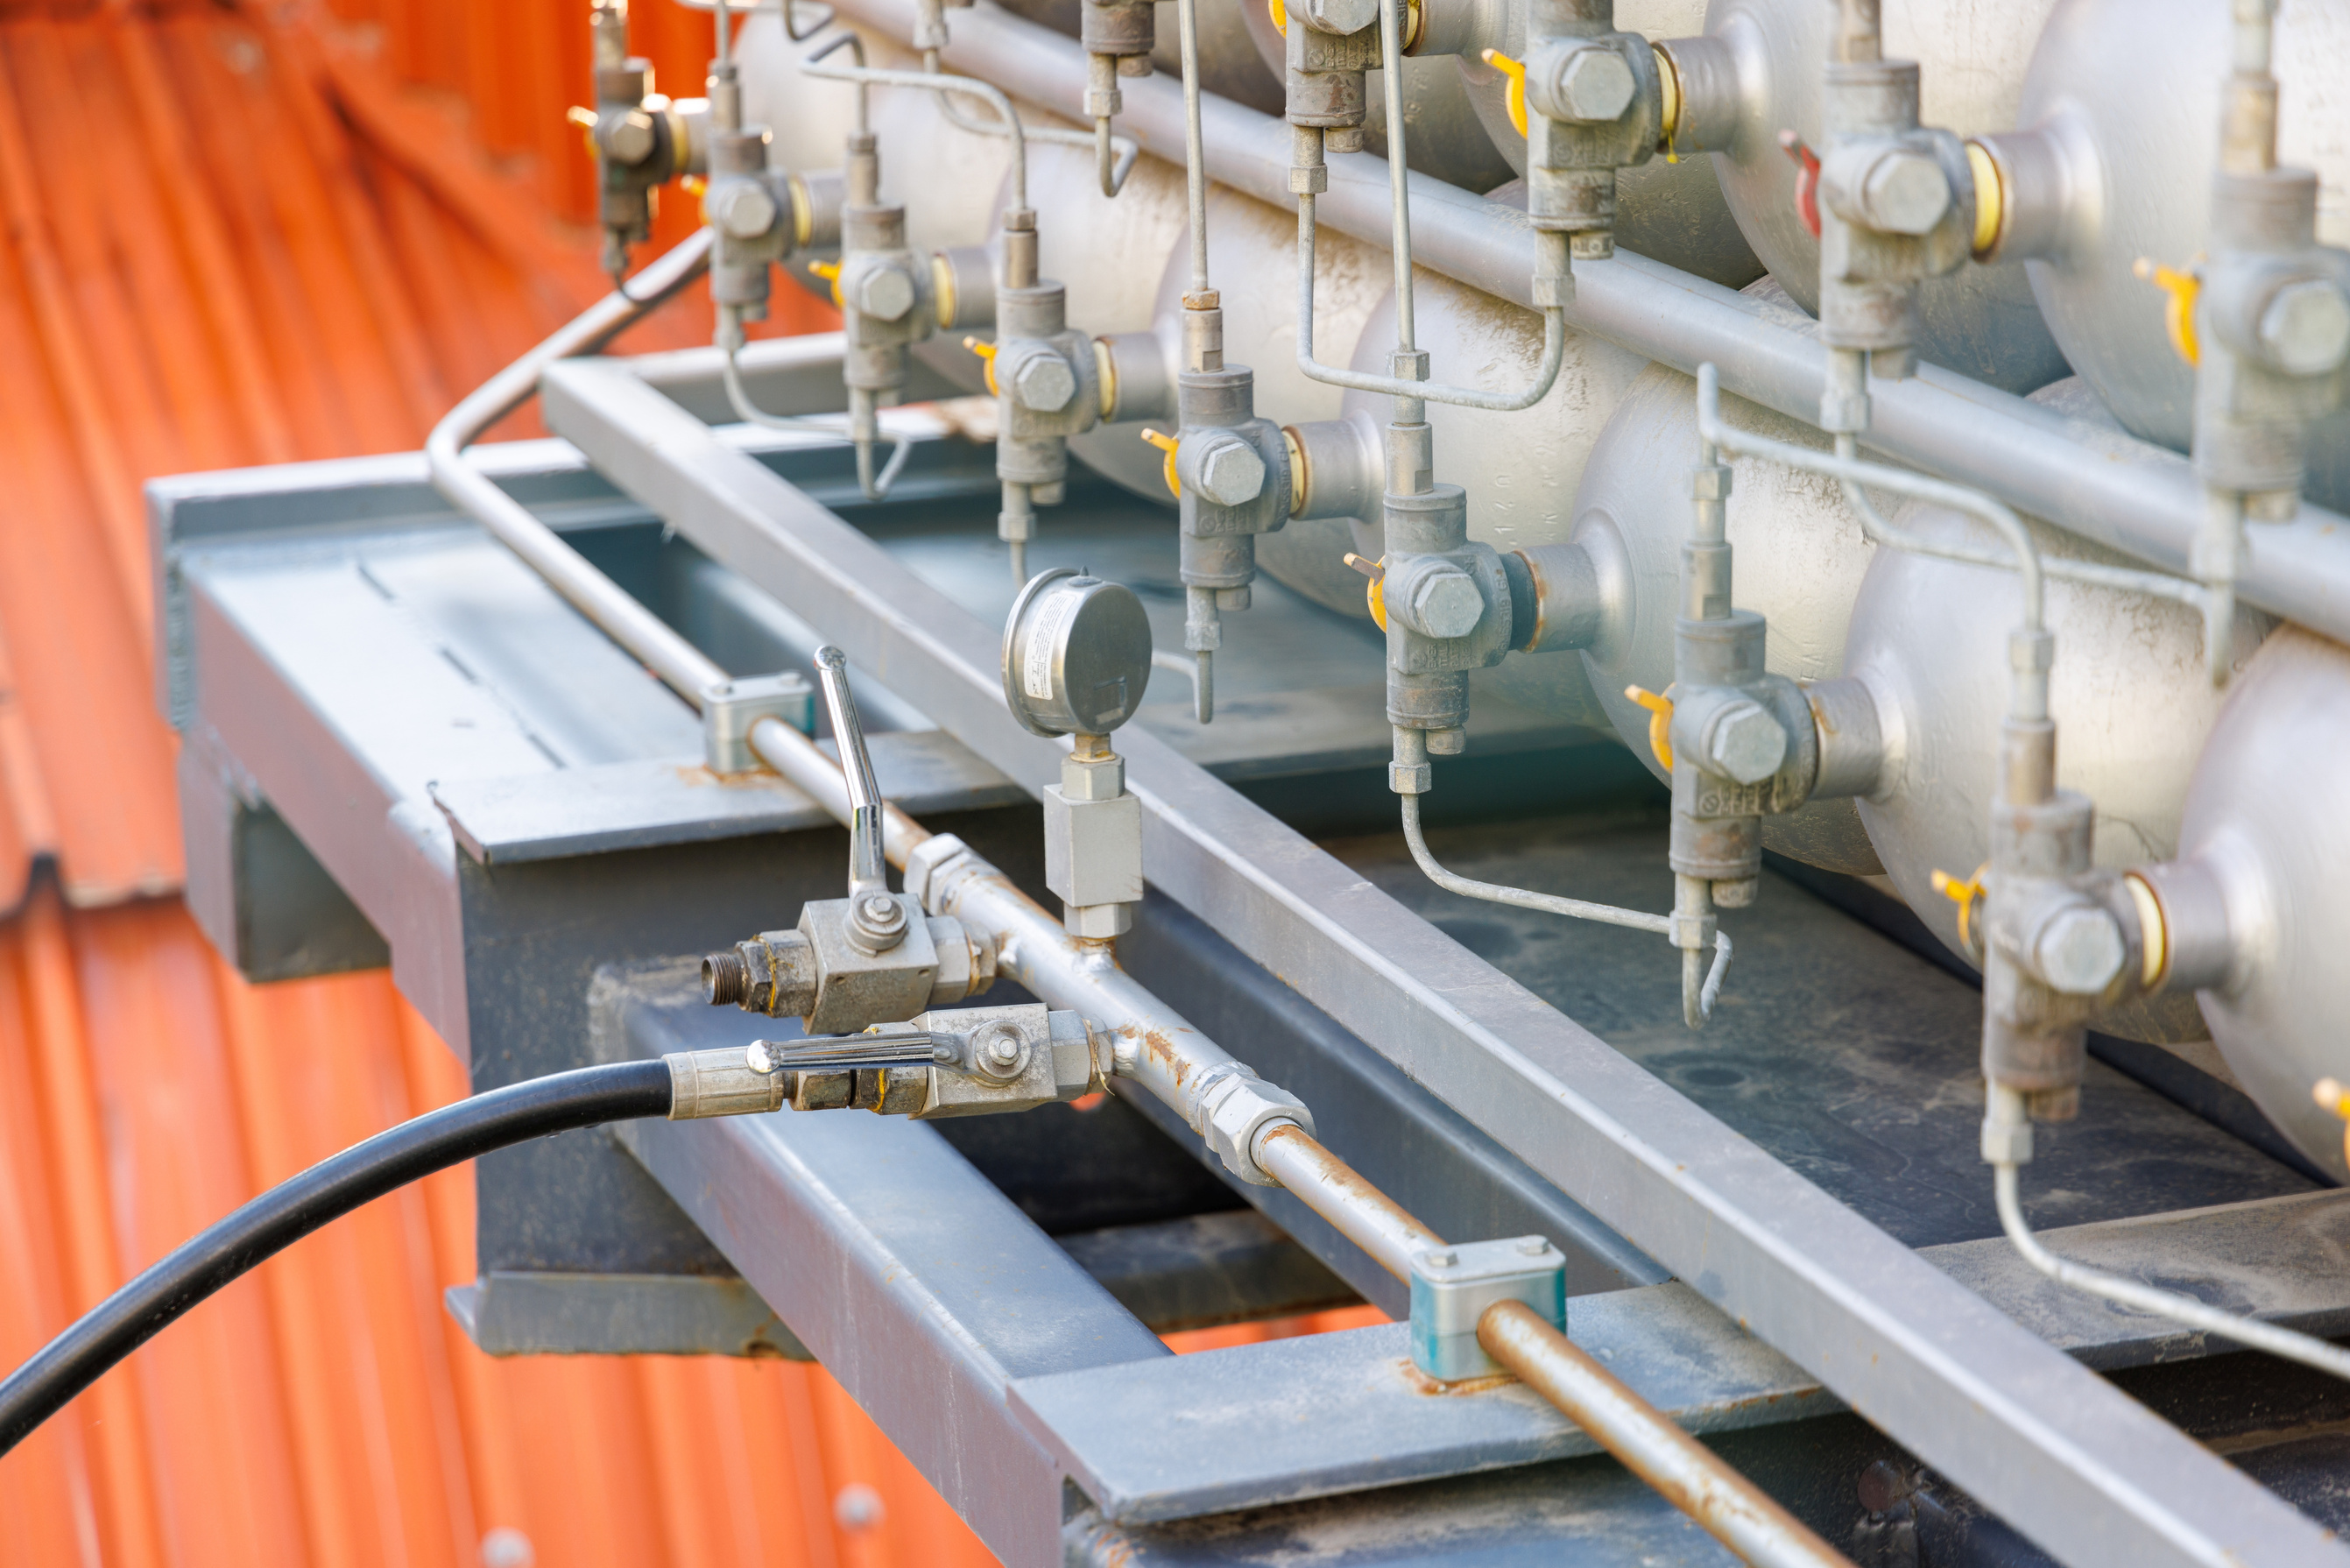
{"type": "Point", "coordinates": [868, 873]}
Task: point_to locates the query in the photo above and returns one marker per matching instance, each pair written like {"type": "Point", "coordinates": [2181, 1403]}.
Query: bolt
{"type": "Point", "coordinates": [1905, 193]}
{"type": "Point", "coordinates": [724, 978]}
{"type": "Point", "coordinates": [740, 208]}
{"type": "Point", "coordinates": [2306, 327]}
{"type": "Point", "coordinates": [1443, 1260]}
{"type": "Point", "coordinates": [1044, 382]}
{"type": "Point", "coordinates": [1594, 85]}
{"type": "Point", "coordinates": [1747, 743]}
{"type": "Point", "coordinates": [2079, 952]}
{"type": "Point", "coordinates": [1004, 1050]}
{"type": "Point", "coordinates": [1341, 16]}
{"type": "Point", "coordinates": [1445, 602]}
{"type": "Point", "coordinates": [1534, 1247]}
{"type": "Point", "coordinates": [760, 1057]}
{"type": "Point", "coordinates": [1227, 470]}
{"type": "Point", "coordinates": [628, 138]}
{"type": "Point", "coordinates": [885, 293]}
{"type": "Point", "coordinates": [880, 908]}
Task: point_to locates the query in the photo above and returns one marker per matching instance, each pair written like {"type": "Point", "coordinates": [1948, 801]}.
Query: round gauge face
{"type": "Point", "coordinates": [1076, 654]}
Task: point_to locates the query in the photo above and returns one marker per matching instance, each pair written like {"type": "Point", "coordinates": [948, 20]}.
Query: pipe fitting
{"type": "Point", "coordinates": [1233, 1108]}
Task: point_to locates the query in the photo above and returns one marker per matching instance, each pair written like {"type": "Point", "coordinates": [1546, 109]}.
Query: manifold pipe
{"type": "Point", "coordinates": [2118, 491]}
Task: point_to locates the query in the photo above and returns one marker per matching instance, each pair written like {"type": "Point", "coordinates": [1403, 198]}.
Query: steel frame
{"type": "Point", "coordinates": [2074, 1463]}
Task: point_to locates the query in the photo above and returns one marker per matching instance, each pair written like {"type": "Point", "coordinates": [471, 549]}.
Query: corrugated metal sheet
{"type": "Point", "coordinates": [239, 235]}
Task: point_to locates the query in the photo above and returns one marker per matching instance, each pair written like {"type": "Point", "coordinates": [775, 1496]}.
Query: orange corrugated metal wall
{"type": "Point", "coordinates": [240, 234]}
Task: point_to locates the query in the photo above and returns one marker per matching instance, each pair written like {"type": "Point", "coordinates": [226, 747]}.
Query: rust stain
{"type": "Point", "coordinates": [1436, 1387]}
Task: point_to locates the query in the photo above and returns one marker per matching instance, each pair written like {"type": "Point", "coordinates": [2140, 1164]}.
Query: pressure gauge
{"type": "Point", "coordinates": [1076, 654]}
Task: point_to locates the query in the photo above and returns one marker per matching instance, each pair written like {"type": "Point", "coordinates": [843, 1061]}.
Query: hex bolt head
{"type": "Point", "coordinates": [1044, 382]}
{"type": "Point", "coordinates": [1594, 85]}
{"type": "Point", "coordinates": [2306, 327]}
{"type": "Point", "coordinates": [629, 139]}
{"type": "Point", "coordinates": [1447, 604]}
{"type": "Point", "coordinates": [1747, 743]}
{"type": "Point", "coordinates": [742, 209]}
{"type": "Point", "coordinates": [1341, 16]}
{"type": "Point", "coordinates": [1230, 472]}
{"type": "Point", "coordinates": [1905, 192]}
{"type": "Point", "coordinates": [2079, 950]}
{"type": "Point", "coordinates": [885, 293]}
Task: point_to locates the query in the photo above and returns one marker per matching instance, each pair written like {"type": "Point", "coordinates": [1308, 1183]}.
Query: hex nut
{"type": "Point", "coordinates": [1044, 382]}
{"type": "Point", "coordinates": [2006, 1142]}
{"type": "Point", "coordinates": [2079, 950]}
{"type": "Point", "coordinates": [628, 138]}
{"type": "Point", "coordinates": [2306, 327]}
{"type": "Point", "coordinates": [1341, 16]}
{"type": "Point", "coordinates": [1747, 743]}
{"type": "Point", "coordinates": [1905, 192]}
{"type": "Point", "coordinates": [1235, 1106]}
{"type": "Point", "coordinates": [1230, 472]}
{"type": "Point", "coordinates": [925, 863]}
{"type": "Point", "coordinates": [885, 293]}
{"type": "Point", "coordinates": [741, 208]}
{"type": "Point", "coordinates": [1446, 603]}
{"type": "Point", "coordinates": [1594, 85]}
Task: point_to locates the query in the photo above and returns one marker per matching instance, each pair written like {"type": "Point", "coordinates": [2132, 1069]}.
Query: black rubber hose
{"type": "Point", "coordinates": [292, 1210]}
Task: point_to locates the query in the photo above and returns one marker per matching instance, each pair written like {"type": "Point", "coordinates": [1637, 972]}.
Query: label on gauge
{"type": "Point", "coordinates": [1044, 638]}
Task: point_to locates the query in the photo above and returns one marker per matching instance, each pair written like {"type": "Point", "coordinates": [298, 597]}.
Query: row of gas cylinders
{"type": "Point", "coordinates": [2131, 88]}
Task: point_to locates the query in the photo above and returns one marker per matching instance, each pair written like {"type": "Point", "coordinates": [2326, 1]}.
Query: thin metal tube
{"type": "Point", "coordinates": [683, 667]}
{"type": "Point", "coordinates": [1546, 375]}
{"type": "Point", "coordinates": [738, 397]}
{"type": "Point", "coordinates": [1729, 1508]}
{"type": "Point", "coordinates": [2307, 1349]}
{"type": "Point", "coordinates": [1399, 187]}
{"type": "Point", "coordinates": [945, 87]}
{"type": "Point", "coordinates": [1552, 904]}
{"type": "Point", "coordinates": [1195, 144]}
{"type": "Point", "coordinates": [1368, 1218]}
{"type": "Point", "coordinates": [1116, 154]}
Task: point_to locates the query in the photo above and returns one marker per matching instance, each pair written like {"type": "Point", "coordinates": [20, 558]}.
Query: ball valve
{"type": "Point", "coordinates": [1048, 385]}
{"type": "Point", "coordinates": [1077, 662]}
{"type": "Point", "coordinates": [1595, 104]}
{"type": "Point", "coordinates": [872, 956]}
{"type": "Point", "coordinates": [639, 139]}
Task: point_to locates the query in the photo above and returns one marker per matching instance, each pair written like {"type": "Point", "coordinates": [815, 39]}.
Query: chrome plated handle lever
{"type": "Point", "coordinates": [868, 873]}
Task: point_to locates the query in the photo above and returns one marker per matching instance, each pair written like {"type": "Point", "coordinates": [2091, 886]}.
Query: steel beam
{"type": "Point", "coordinates": [2074, 1464]}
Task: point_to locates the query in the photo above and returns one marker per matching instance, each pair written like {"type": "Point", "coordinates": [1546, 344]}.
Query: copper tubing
{"type": "Point", "coordinates": [1331, 1188]}
{"type": "Point", "coordinates": [1729, 1508]}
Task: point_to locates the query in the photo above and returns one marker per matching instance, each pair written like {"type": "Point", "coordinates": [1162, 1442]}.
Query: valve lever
{"type": "Point", "coordinates": [867, 870]}
{"type": "Point", "coordinates": [842, 1053]}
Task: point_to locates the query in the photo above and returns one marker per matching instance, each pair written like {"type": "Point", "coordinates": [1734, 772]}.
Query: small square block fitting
{"type": "Point", "coordinates": [1452, 1286]}
{"type": "Point", "coordinates": [1093, 849]}
{"type": "Point", "coordinates": [732, 708]}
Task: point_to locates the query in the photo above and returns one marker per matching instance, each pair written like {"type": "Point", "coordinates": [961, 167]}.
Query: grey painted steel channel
{"type": "Point", "coordinates": [2132, 496]}
{"type": "Point", "coordinates": [2085, 1470]}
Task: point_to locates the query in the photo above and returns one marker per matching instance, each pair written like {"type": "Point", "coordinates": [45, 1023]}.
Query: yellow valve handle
{"type": "Point", "coordinates": [1660, 721]}
{"type": "Point", "coordinates": [2330, 1094]}
{"type": "Point", "coordinates": [986, 352]}
{"type": "Point", "coordinates": [1375, 591]}
{"type": "Point", "coordinates": [830, 272]}
{"type": "Point", "coordinates": [1516, 71]}
{"type": "Point", "coordinates": [2179, 313]}
{"type": "Point", "coordinates": [694, 185]}
{"type": "Point", "coordinates": [1966, 895]}
{"type": "Point", "coordinates": [584, 119]}
{"type": "Point", "coordinates": [1280, 15]}
{"type": "Point", "coordinates": [1166, 444]}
